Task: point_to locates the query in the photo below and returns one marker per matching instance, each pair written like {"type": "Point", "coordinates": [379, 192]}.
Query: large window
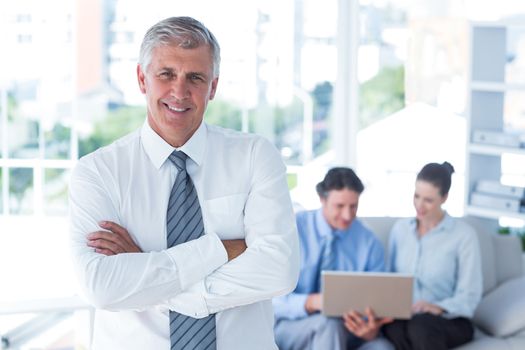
{"type": "Point", "coordinates": [68, 87]}
{"type": "Point", "coordinates": [36, 105]}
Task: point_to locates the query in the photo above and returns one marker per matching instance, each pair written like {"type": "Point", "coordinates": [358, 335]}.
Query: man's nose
{"type": "Point", "coordinates": [179, 88]}
{"type": "Point", "coordinates": [347, 214]}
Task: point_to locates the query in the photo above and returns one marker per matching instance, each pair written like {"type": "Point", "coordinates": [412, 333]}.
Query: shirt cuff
{"type": "Point", "coordinates": [191, 302]}
{"type": "Point", "coordinates": [300, 305]}
{"type": "Point", "coordinates": [196, 259]}
{"type": "Point", "coordinates": [450, 311]}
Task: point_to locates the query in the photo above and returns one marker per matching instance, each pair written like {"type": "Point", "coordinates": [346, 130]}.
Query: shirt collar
{"type": "Point", "coordinates": [324, 228]}
{"type": "Point", "coordinates": [159, 150]}
{"type": "Point", "coordinates": [445, 225]}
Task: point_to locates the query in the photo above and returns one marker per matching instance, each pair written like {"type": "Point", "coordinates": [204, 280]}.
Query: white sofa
{"type": "Point", "coordinates": [500, 316]}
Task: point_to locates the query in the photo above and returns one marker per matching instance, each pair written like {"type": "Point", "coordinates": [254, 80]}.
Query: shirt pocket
{"type": "Point", "coordinates": [225, 216]}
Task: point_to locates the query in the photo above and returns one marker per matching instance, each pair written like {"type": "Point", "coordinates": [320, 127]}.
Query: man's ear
{"type": "Point", "coordinates": [214, 87]}
{"type": "Point", "coordinates": [141, 79]}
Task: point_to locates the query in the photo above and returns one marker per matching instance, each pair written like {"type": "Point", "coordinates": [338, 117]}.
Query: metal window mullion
{"type": "Point", "coordinates": [74, 79]}
{"type": "Point", "coordinates": [345, 121]}
{"type": "Point", "coordinates": [38, 171]}
{"type": "Point", "coordinates": [38, 200]}
{"type": "Point", "coordinates": [5, 190]}
{"type": "Point", "coordinates": [3, 150]}
{"type": "Point", "coordinates": [3, 121]}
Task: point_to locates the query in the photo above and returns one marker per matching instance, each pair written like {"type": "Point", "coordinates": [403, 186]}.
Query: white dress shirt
{"type": "Point", "coordinates": [241, 183]}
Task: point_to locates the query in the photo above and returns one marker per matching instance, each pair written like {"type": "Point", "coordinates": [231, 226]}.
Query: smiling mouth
{"type": "Point", "coordinates": [175, 109]}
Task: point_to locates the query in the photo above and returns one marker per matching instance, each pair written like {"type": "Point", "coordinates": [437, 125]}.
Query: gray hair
{"type": "Point", "coordinates": [184, 32]}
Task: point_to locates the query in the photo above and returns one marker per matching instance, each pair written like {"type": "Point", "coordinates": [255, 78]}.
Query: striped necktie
{"type": "Point", "coordinates": [184, 223]}
{"type": "Point", "coordinates": [328, 253]}
{"type": "Point", "coordinates": [327, 262]}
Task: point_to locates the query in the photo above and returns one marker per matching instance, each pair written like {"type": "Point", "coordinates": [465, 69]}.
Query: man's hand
{"type": "Point", "coordinates": [314, 303]}
{"type": "Point", "coordinates": [115, 240]}
{"type": "Point", "coordinates": [365, 329]}
{"type": "Point", "coordinates": [234, 247]}
{"type": "Point", "coordinates": [424, 306]}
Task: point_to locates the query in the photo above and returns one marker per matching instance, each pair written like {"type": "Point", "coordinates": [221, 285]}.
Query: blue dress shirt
{"type": "Point", "coordinates": [445, 262]}
{"type": "Point", "coordinates": [355, 249]}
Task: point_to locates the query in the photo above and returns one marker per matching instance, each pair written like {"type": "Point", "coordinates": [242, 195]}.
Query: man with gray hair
{"type": "Point", "coordinates": [182, 232]}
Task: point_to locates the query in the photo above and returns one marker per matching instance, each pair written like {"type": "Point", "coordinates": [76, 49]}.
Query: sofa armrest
{"type": "Point", "coordinates": [502, 311]}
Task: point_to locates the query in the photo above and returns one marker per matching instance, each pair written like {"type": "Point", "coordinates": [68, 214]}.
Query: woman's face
{"type": "Point", "coordinates": [427, 201]}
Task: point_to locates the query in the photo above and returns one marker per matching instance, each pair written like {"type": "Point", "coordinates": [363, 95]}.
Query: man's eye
{"type": "Point", "coordinates": [195, 77]}
{"type": "Point", "coordinates": [166, 75]}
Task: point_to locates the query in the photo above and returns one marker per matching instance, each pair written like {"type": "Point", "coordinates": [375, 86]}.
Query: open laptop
{"type": "Point", "coordinates": [388, 294]}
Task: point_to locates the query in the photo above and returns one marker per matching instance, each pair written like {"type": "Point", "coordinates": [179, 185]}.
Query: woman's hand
{"type": "Point", "coordinates": [424, 306]}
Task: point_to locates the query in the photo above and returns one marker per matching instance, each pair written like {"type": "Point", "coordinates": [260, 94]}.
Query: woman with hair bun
{"type": "Point", "coordinates": [442, 253]}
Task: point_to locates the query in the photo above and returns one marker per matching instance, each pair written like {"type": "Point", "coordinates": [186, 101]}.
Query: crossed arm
{"type": "Point", "coordinates": [115, 239]}
{"type": "Point", "coordinates": [196, 278]}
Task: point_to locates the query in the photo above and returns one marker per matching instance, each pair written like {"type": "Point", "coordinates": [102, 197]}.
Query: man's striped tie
{"type": "Point", "coordinates": [328, 253]}
{"type": "Point", "coordinates": [328, 259]}
{"type": "Point", "coordinates": [184, 223]}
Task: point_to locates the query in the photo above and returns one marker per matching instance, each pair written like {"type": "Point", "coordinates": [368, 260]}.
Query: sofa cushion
{"type": "Point", "coordinates": [509, 247]}
{"type": "Point", "coordinates": [486, 233]}
{"type": "Point", "coordinates": [502, 311]}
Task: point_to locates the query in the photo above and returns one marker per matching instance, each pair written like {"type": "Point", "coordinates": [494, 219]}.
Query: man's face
{"type": "Point", "coordinates": [178, 84]}
{"type": "Point", "coordinates": [340, 208]}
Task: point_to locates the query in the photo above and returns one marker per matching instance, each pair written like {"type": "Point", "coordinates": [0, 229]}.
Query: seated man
{"type": "Point", "coordinates": [331, 238]}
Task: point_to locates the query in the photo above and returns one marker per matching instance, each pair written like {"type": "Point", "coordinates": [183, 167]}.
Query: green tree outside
{"type": "Point", "coordinates": [20, 179]}
{"type": "Point", "coordinates": [224, 113]}
{"type": "Point", "coordinates": [382, 95]}
{"type": "Point", "coordinates": [118, 123]}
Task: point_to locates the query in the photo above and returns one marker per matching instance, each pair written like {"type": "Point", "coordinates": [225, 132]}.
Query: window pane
{"type": "Point", "coordinates": [293, 92]}
{"type": "Point", "coordinates": [55, 191]}
{"type": "Point", "coordinates": [23, 125]}
{"type": "Point", "coordinates": [3, 119]}
{"type": "Point", "coordinates": [58, 142]}
{"type": "Point", "coordinates": [381, 77]}
{"type": "Point", "coordinates": [224, 113]}
{"type": "Point", "coordinates": [437, 63]}
{"type": "Point", "coordinates": [1, 191]}
{"type": "Point", "coordinates": [381, 60]}
{"type": "Point", "coordinates": [21, 191]}
{"type": "Point", "coordinates": [109, 126]}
